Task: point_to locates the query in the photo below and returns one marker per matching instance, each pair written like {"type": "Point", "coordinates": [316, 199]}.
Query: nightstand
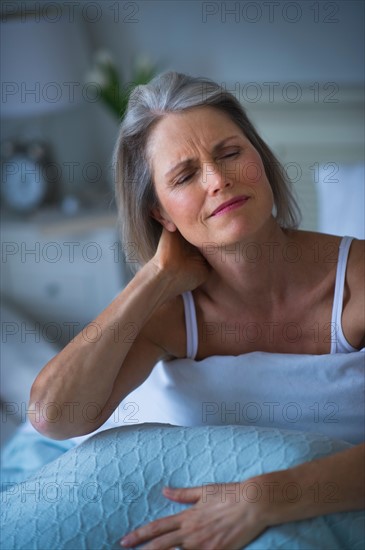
{"type": "Point", "coordinates": [62, 271]}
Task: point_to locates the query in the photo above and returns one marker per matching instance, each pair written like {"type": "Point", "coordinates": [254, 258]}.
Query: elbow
{"type": "Point", "coordinates": [47, 417]}
{"type": "Point", "coordinates": [56, 419]}
{"type": "Point", "coordinates": [53, 421]}
{"type": "Point", "coordinates": [35, 412]}
{"type": "Point", "coordinates": [44, 426]}
{"type": "Point", "coordinates": [52, 429]}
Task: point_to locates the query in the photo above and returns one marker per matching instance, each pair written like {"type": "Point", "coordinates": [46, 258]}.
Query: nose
{"type": "Point", "coordinates": [215, 178]}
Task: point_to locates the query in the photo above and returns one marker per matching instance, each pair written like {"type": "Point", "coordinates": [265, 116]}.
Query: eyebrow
{"type": "Point", "coordinates": [188, 161]}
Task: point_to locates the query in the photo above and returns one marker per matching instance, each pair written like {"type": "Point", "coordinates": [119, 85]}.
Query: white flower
{"type": "Point", "coordinates": [104, 57]}
{"type": "Point", "coordinates": [143, 63]}
{"type": "Point", "coordinates": [96, 76]}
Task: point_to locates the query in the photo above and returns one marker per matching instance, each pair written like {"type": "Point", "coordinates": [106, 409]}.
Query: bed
{"type": "Point", "coordinates": [87, 492]}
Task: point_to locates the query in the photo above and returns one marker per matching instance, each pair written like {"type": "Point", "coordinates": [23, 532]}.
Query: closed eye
{"type": "Point", "coordinates": [230, 155]}
{"type": "Point", "coordinates": [188, 177]}
{"type": "Point", "coordinates": [185, 179]}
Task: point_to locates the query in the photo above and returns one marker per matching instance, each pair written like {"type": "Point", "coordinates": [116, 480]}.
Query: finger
{"type": "Point", "coordinates": [151, 530]}
{"type": "Point", "coordinates": [189, 494]}
{"type": "Point", "coordinates": [171, 540]}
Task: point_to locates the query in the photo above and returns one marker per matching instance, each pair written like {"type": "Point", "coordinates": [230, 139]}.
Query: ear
{"type": "Point", "coordinates": [163, 219]}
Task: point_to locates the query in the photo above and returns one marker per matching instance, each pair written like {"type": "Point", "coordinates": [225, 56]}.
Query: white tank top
{"type": "Point", "coordinates": [311, 393]}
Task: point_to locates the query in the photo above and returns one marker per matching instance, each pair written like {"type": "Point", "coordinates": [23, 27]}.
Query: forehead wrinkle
{"type": "Point", "coordinates": [187, 149]}
{"type": "Point", "coordinates": [186, 146]}
{"type": "Point", "coordinates": [190, 149]}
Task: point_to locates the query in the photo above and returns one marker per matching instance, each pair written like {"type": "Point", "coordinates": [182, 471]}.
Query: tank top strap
{"type": "Point", "coordinates": [191, 325]}
{"type": "Point", "coordinates": [339, 344]}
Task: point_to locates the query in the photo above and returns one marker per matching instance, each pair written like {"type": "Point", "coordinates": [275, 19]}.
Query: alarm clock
{"type": "Point", "coordinates": [28, 177]}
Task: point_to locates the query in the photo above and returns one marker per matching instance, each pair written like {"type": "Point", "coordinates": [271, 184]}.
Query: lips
{"type": "Point", "coordinates": [235, 200]}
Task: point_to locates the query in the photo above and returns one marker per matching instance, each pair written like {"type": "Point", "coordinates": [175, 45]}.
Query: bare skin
{"type": "Point", "coordinates": [242, 268]}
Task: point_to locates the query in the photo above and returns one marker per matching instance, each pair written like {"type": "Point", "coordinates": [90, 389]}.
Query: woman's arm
{"type": "Point", "coordinates": [328, 485]}
{"type": "Point", "coordinates": [79, 388]}
{"type": "Point", "coordinates": [231, 515]}
{"type": "Point", "coordinates": [75, 385]}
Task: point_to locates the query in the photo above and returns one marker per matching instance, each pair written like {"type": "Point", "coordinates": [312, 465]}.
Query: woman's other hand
{"type": "Point", "coordinates": [180, 261]}
{"type": "Point", "coordinates": [224, 516]}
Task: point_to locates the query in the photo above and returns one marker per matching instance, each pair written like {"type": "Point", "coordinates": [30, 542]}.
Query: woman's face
{"type": "Point", "coordinates": [200, 160]}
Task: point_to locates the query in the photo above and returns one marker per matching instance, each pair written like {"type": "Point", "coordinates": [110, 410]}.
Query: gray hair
{"type": "Point", "coordinates": [134, 190]}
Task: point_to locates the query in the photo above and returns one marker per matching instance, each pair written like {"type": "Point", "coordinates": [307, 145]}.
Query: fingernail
{"type": "Point", "coordinates": [125, 541]}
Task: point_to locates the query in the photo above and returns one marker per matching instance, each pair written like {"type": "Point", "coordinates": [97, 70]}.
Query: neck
{"type": "Point", "coordinates": [253, 271]}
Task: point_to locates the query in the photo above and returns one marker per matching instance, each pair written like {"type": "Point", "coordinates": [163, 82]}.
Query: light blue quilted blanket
{"type": "Point", "coordinates": [94, 493]}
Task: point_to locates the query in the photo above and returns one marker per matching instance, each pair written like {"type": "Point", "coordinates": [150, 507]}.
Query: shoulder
{"type": "Point", "coordinates": [318, 252]}
{"type": "Point", "coordinates": [166, 328]}
{"type": "Point", "coordinates": [321, 246]}
{"type": "Point", "coordinates": [325, 249]}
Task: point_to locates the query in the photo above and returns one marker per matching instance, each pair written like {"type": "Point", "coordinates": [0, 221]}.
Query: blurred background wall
{"type": "Point", "coordinates": [297, 67]}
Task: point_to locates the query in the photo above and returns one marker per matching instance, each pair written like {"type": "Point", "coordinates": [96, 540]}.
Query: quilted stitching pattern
{"type": "Point", "coordinates": [95, 493]}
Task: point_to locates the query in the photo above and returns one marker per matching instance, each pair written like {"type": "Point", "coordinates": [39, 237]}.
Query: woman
{"type": "Point", "coordinates": [213, 224]}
